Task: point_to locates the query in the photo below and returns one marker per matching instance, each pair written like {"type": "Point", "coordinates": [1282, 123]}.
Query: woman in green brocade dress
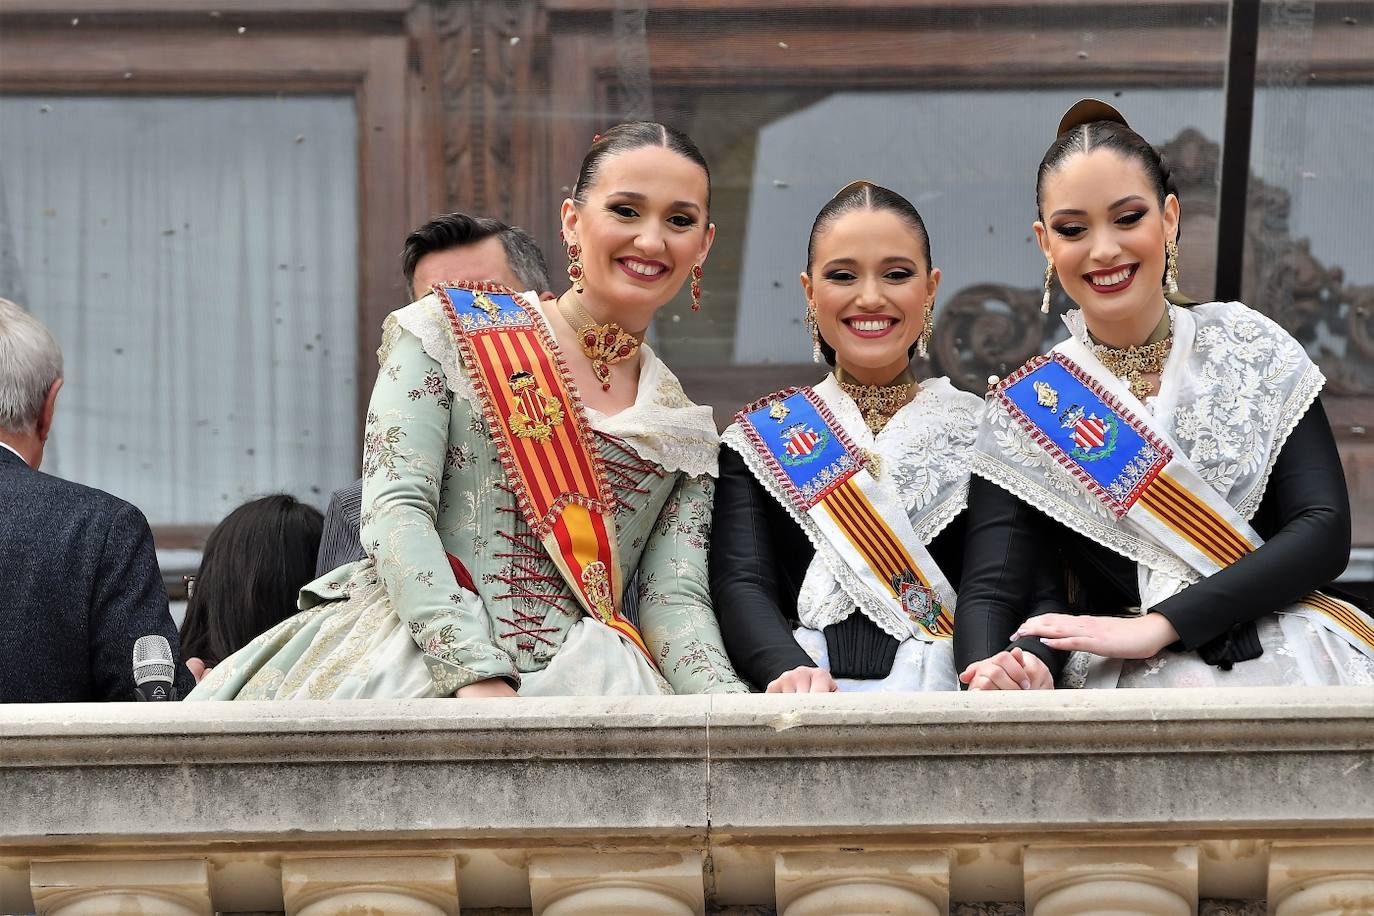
{"type": "Point", "coordinates": [458, 595]}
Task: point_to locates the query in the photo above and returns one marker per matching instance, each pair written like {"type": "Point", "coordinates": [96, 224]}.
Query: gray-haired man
{"type": "Point", "coordinates": [79, 580]}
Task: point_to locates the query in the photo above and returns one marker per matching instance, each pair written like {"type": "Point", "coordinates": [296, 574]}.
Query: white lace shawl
{"type": "Point", "coordinates": [1234, 386]}
{"type": "Point", "coordinates": [662, 426]}
{"type": "Point", "coordinates": [924, 455]}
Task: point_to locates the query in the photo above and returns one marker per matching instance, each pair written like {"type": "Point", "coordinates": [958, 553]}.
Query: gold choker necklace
{"type": "Point", "coordinates": [1133, 363]}
{"type": "Point", "coordinates": [878, 403]}
{"type": "Point", "coordinates": [604, 344]}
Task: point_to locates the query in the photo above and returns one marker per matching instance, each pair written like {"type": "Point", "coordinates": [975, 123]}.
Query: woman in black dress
{"type": "Point", "coordinates": [838, 515]}
{"type": "Point", "coordinates": [1175, 458]}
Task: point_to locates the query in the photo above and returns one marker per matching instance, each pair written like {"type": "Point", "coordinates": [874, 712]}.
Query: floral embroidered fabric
{"type": "Point", "coordinates": [663, 425]}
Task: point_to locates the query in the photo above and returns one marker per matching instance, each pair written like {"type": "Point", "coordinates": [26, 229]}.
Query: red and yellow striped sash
{"type": "Point", "coordinates": [880, 547]}
{"type": "Point", "coordinates": [545, 443]}
{"type": "Point", "coordinates": [1193, 520]}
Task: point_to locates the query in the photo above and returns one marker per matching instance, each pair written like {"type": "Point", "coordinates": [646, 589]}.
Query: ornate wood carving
{"type": "Point", "coordinates": [489, 54]}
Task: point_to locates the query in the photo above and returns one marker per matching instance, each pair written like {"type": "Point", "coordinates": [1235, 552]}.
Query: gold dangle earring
{"type": "Point", "coordinates": [816, 355]}
{"type": "Point", "coordinates": [1171, 271]}
{"type": "Point", "coordinates": [923, 342]}
{"type": "Point", "coordinates": [574, 265]}
{"type": "Point", "coordinates": [696, 287]}
{"type": "Point", "coordinates": [1049, 276]}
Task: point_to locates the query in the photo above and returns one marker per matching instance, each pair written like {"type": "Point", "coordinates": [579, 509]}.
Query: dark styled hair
{"type": "Point", "coordinates": [454, 230]}
{"type": "Point", "coordinates": [864, 195]}
{"type": "Point", "coordinates": [1106, 135]}
{"type": "Point", "coordinates": [253, 567]}
{"type": "Point", "coordinates": [625, 137]}
{"type": "Point", "coordinates": [1115, 136]}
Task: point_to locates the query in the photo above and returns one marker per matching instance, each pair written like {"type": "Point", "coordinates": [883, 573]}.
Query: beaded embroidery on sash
{"type": "Point", "coordinates": [663, 425]}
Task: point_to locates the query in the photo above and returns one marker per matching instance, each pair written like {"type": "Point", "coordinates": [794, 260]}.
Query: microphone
{"type": "Point", "coordinates": [154, 669]}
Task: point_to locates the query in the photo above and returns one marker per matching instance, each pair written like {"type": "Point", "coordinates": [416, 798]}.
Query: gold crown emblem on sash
{"type": "Point", "coordinates": [596, 583]}
{"type": "Point", "coordinates": [535, 413]}
{"type": "Point", "coordinates": [482, 301]}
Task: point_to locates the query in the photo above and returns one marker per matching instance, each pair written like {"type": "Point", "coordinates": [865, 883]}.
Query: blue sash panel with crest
{"type": "Point", "coordinates": [478, 309]}
{"type": "Point", "coordinates": [1085, 429]}
{"type": "Point", "coordinates": [806, 449]}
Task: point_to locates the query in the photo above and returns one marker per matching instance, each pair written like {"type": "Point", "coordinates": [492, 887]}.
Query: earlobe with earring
{"type": "Point", "coordinates": [816, 355]}
{"type": "Point", "coordinates": [1171, 270]}
{"type": "Point", "coordinates": [574, 264]}
{"type": "Point", "coordinates": [1049, 277]}
{"type": "Point", "coordinates": [696, 287]}
{"type": "Point", "coordinates": [923, 342]}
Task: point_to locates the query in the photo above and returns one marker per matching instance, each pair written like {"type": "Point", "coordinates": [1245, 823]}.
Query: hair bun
{"type": "Point", "coordinates": [1085, 111]}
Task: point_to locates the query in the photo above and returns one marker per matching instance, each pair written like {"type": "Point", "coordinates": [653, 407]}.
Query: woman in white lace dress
{"type": "Point", "coordinates": [1176, 458]}
{"type": "Point", "coordinates": [839, 522]}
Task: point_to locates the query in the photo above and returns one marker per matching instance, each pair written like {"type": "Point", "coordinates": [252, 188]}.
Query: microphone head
{"type": "Point", "coordinates": [153, 660]}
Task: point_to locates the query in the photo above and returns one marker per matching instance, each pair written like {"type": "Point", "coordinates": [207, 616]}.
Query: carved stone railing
{"type": "Point", "coordinates": [1064, 803]}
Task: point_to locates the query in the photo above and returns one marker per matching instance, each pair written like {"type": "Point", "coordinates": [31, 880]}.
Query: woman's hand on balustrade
{"type": "Point", "coordinates": [492, 687]}
{"type": "Point", "coordinates": [1111, 637]}
{"type": "Point", "coordinates": [1011, 670]}
{"type": "Point", "coordinates": [198, 668]}
{"type": "Point", "coordinates": [803, 680]}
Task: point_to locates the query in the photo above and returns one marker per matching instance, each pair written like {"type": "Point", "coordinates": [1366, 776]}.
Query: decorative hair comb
{"type": "Point", "coordinates": [1086, 110]}
{"type": "Point", "coordinates": [858, 183]}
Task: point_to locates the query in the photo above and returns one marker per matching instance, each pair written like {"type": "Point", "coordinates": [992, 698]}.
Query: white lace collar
{"type": "Point", "coordinates": [663, 426]}
{"type": "Point", "coordinates": [923, 450]}
{"type": "Point", "coordinates": [1234, 386]}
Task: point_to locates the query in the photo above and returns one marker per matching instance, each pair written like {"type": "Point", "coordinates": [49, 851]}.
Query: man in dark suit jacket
{"type": "Point", "coordinates": [448, 248]}
{"type": "Point", "coordinates": [79, 580]}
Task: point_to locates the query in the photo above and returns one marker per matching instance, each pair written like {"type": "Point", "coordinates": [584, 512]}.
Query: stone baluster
{"type": "Point", "coordinates": [817, 883]}
{"type": "Point", "coordinates": [1320, 880]}
{"type": "Point", "coordinates": [175, 887]}
{"type": "Point", "coordinates": [395, 885]}
{"type": "Point", "coordinates": [627, 884]}
{"type": "Point", "coordinates": [1116, 880]}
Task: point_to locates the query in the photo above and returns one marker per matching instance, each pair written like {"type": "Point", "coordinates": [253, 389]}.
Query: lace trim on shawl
{"type": "Point", "coordinates": [924, 448]}
{"type": "Point", "coordinates": [1235, 354]}
{"type": "Point", "coordinates": [1294, 410]}
{"type": "Point", "coordinates": [848, 582]}
{"type": "Point", "coordinates": [934, 433]}
{"type": "Point", "coordinates": [663, 426]}
{"type": "Point", "coordinates": [1002, 445]}
{"type": "Point", "coordinates": [423, 319]}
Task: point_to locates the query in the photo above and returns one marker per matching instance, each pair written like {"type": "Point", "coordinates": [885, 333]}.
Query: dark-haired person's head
{"type": "Point", "coordinates": [253, 567]}
{"type": "Point", "coordinates": [458, 247]}
{"type": "Point", "coordinates": [639, 216]}
{"type": "Point", "coordinates": [869, 280]}
{"type": "Point", "coordinates": [1107, 209]}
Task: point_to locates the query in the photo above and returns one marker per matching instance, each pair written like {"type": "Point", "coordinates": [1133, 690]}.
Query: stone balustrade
{"type": "Point", "coordinates": [1124, 802]}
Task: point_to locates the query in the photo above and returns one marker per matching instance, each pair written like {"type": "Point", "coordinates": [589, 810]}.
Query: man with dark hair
{"type": "Point", "coordinates": [449, 248]}
{"type": "Point", "coordinates": [456, 246]}
{"type": "Point", "coordinates": [79, 581]}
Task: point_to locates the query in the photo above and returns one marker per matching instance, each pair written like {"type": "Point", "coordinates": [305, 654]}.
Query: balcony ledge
{"type": "Point", "coordinates": [737, 783]}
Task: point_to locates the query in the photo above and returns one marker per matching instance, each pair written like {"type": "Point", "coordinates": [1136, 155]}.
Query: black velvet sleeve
{"type": "Point", "coordinates": [1011, 572]}
{"type": "Point", "coordinates": [1305, 520]}
{"type": "Point", "coordinates": [758, 556]}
